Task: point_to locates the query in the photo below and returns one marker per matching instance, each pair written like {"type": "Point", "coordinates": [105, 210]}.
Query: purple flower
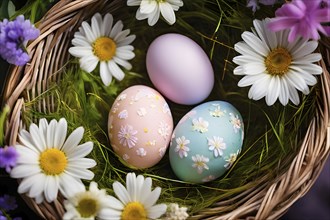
{"type": "Point", "coordinates": [14, 36]}
{"type": "Point", "coordinates": [8, 158]}
{"type": "Point", "coordinates": [303, 18]}
{"type": "Point", "coordinates": [8, 203]}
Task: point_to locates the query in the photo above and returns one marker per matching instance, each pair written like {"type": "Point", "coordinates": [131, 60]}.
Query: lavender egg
{"type": "Point", "coordinates": [180, 69]}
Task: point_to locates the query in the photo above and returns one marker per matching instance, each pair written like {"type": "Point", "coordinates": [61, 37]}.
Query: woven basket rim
{"type": "Point", "coordinates": [269, 200]}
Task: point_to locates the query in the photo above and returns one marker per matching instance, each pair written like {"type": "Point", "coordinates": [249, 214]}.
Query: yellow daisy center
{"type": "Point", "coordinates": [104, 48]}
{"type": "Point", "coordinates": [53, 161]}
{"type": "Point", "coordinates": [278, 61]}
{"type": "Point", "coordinates": [88, 207]}
{"type": "Point", "coordinates": [134, 211]}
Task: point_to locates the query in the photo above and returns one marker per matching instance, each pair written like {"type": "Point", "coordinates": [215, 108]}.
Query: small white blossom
{"type": "Point", "coordinates": [181, 147]}
{"type": "Point", "coordinates": [200, 125]}
{"type": "Point", "coordinates": [200, 163]}
{"type": "Point", "coordinates": [141, 152]}
{"type": "Point", "coordinates": [174, 212]}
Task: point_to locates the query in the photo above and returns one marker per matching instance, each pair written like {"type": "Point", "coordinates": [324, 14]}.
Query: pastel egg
{"type": "Point", "coordinates": [206, 142]}
{"type": "Point", "coordinates": [140, 126]}
{"type": "Point", "coordinates": [180, 69]}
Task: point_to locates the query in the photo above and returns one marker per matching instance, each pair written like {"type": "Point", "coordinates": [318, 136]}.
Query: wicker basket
{"type": "Point", "coordinates": [49, 52]}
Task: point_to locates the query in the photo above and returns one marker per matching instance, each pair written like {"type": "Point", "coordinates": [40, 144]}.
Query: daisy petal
{"type": "Point", "coordinates": [79, 173]}
{"type": "Point", "coordinates": [116, 29]}
{"type": "Point", "coordinates": [115, 203]}
{"type": "Point", "coordinates": [60, 133]}
{"type": "Point", "coordinates": [51, 188]}
{"type": "Point", "coordinates": [156, 211]}
{"type": "Point", "coordinates": [106, 25]}
{"type": "Point", "coordinates": [88, 63]}
{"type": "Point", "coordinates": [148, 7]}
{"type": "Point", "coordinates": [123, 63]}
{"type": "Point", "coordinates": [83, 163]}
{"type": "Point", "coordinates": [50, 133]}
{"type": "Point", "coordinates": [91, 37]}
{"type": "Point", "coordinates": [105, 74]}
{"type": "Point", "coordinates": [152, 198]}
{"type": "Point", "coordinates": [73, 140]}
{"type": "Point", "coordinates": [167, 12]}
{"type": "Point", "coordinates": [23, 170]}
{"type": "Point", "coordinates": [153, 17]}
{"type": "Point", "coordinates": [109, 214]}
{"type": "Point", "coordinates": [80, 151]}
{"type": "Point", "coordinates": [121, 192]}
{"type": "Point", "coordinates": [115, 70]}
{"type": "Point", "coordinates": [96, 22]}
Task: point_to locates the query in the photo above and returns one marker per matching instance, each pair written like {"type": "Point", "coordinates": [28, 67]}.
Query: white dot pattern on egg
{"type": "Point", "coordinates": [140, 126]}
{"type": "Point", "coordinates": [206, 142]}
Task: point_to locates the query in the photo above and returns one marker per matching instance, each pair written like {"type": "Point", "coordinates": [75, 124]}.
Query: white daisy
{"type": "Point", "coordinates": [200, 163]}
{"type": "Point", "coordinates": [174, 212]}
{"type": "Point", "coordinates": [200, 125]}
{"type": "Point", "coordinates": [151, 9]}
{"type": "Point", "coordinates": [136, 201]}
{"type": "Point", "coordinates": [87, 204]}
{"type": "Point", "coordinates": [103, 43]}
{"type": "Point", "coordinates": [48, 163]}
{"type": "Point", "coordinates": [216, 145]}
{"type": "Point", "coordinates": [181, 146]}
{"type": "Point", "coordinates": [275, 68]}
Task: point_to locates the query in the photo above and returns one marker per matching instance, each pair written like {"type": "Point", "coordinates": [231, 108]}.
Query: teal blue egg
{"type": "Point", "coordinates": [206, 142]}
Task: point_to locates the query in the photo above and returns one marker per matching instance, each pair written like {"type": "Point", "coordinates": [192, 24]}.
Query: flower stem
{"type": "Point", "coordinates": [3, 115]}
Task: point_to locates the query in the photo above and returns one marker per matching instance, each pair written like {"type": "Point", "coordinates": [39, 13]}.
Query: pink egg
{"type": "Point", "coordinates": [140, 126]}
{"type": "Point", "coordinates": [179, 68]}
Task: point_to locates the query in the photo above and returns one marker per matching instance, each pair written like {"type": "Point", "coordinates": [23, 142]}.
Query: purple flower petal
{"type": "Point", "coordinates": [302, 17]}
{"type": "Point", "coordinates": [13, 38]}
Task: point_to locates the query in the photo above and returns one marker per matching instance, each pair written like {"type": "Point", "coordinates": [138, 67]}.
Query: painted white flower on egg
{"type": "Point", "coordinates": [181, 147]}
{"type": "Point", "coordinates": [142, 112]}
{"type": "Point", "coordinates": [236, 122]}
{"type": "Point", "coordinates": [126, 157]}
{"type": "Point", "coordinates": [123, 114]}
{"type": "Point", "coordinates": [151, 143]}
{"type": "Point", "coordinates": [164, 130]}
{"type": "Point", "coordinates": [122, 97]}
{"type": "Point", "coordinates": [231, 159]}
{"type": "Point", "coordinates": [217, 112]}
{"type": "Point", "coordinates": [200, 125]}
{"type": "Point", "coordinates": [127, 137]}
{"type": "Point", "coordinates": [141, 152]}
{"type": "Point", "coordinates": [162, 151]}
{"type": "Point", "coordinates": [217, 145]}
{"type": "Point", "coordinates": [166, 109]}
{"type": "Point", "coordinates": [208, 178]}
{"type": "Point", "coordinates": [200, 163]}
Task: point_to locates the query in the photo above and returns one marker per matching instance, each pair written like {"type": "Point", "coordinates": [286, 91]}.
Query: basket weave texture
{"type": "Point", "coordinates": [49, 53]}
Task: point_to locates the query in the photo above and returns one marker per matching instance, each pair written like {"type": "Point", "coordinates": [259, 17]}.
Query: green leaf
{"type": "Point", "coordinates": [11, 9]}
{"type": "Point", "coordinates": [4, 9]}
